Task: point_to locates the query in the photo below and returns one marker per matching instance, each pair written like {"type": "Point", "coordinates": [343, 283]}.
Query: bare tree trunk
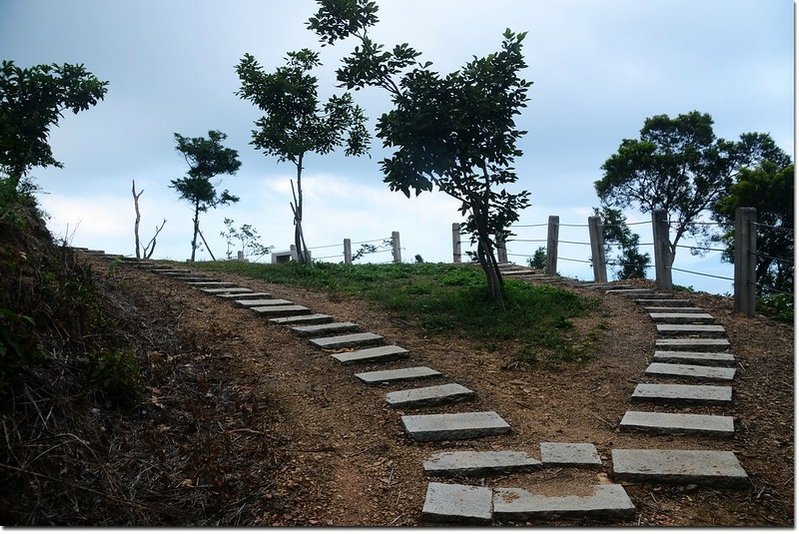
{"type": "Point", "coordinates": [138, 217]}
{"type": "Point", "coordinates": [150, 248]}
{"type": "Point", "coordinates": [196, 229]}
{"type": "Point", "coordinates": [296, 207]}
{"type": "Point", "coordinates": [488, 262]}
{"type": "Point", "coordinates": [206, 243]}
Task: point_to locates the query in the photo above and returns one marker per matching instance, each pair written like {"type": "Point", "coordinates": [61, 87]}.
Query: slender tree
{"type": "Point", "coordinates": [206, 158]}
{"type": "Point", "coordinates": [148, 249]}
{"type": "Point", "coordinates": [452, 132]}
{"type": "Point", "coordinates": [296, 124]}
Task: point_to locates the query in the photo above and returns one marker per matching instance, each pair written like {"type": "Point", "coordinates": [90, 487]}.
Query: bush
{"type": "Point", "coordinates": [778, 306]}
{"type": "Point", "coordinates": [118, 375]}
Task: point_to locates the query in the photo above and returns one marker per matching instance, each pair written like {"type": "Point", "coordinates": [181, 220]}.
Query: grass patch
{"type": "Point", "coordinates": [448, 299]}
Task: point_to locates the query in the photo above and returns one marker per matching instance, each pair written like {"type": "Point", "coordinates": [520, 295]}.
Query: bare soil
{"type": "Point", "coordinates": [256, 427]}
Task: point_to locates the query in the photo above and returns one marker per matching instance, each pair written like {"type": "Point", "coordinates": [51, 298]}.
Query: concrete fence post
{"type": "Point", "coordinates": [456, 242]}
{"type": "Point", "coordinates": [502, 252]}
{"type": "Point", "coordinates": [552, 244]}
{"type": "Point", "coordinates": [663, 259]}
{"type": "Point", "coordinates": [745, 284]}
{"type": "Point", "coordinates": [597, 238]}
{"type": "Point", "coordinates": [347, 250]}
{"type": "Point", "coordinates": [395, 247]}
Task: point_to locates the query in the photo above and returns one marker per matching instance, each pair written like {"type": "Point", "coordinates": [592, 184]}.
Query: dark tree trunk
{"type": "Point", "coordinates": [488, 261]}
{"type": "Point", "coordinates": [196, 229]}
{"type": "Point", "coordinates": [299, 238]}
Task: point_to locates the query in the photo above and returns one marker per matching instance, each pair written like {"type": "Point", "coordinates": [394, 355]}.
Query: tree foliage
{"type": "Point", "coordinates": [32, 101]}
{"type": "Point", "coordinates": [295, 123]}
{"type": "Point", "coordinates": [247, 239]}
{"type": "Point", "coordinates": [453, 132]}
{"type": "Point", "coordinates": [630, 261]}
{"type": "Point", "coordinates": [206, 158]}
{"type": "Point", "coordinates": [681, 166]}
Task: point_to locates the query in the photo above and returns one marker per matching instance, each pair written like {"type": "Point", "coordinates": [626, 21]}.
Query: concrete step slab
{"type": "Point", "coordinates": [682, 318]}
{"type": "Point", "coordinates": [310, 318]}
{"type": "Point", "coordinates": [231, 293]}
{"type": "Point", "coordinates": [480, 463]}
{"type": "Point", "coordinates": [696, 345]}
{"type": "Point", "coordinates": [458, 503]}
{"type": "Point", "coordinates": [718, 359]}
{"type": "Point", "coordinates": [605, 501]}
{"type": "Point", "coordinates": [451, 426]}
{"type": "Point", "coordinates": [663, 302]}
{"type": "Point", "coordinates": [683, 393]}
{"type": "Point", "coordinates": [255, 302]}
{"type": "Point", "coordinates": [627, 292]}
{"type": "Point", "coordinates": [372, 378]}
{"type": "Point", "coordinates": [226, 290]}
{"type": "Point", "coordinates": [376, 354]}
{"type": "Point", "coordinates": [569, 454]}
{"type": "Point", "coordinates": [697, 330]}
{"type": "Point", "coordinates": [346, 341]}
{"type": "Point", "coordinates": [197, 279]}
{"type": "Point", "coordinates": [281, 311]}
{"type": "Point", "coordinates": [701, 372]}
{"type": "Point", "coordinates": [678, 423]}
{"type": "Point", "coordinates": [673, 309]}
{"type": "Point", "coordinates": [713, 468]}
{"type": "Point", "coordinates": [212, 284]}
{"type": "Point", "coordinates": [429, 396]}
{"type": "Point", "coordinates": [326, 328]}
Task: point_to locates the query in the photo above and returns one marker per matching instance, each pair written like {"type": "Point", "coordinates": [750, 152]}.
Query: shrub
{"type": "Point", "coordinates": [118, 375]}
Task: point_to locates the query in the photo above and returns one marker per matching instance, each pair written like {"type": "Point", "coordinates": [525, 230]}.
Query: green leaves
{"type": "Point", "coordinates": [338, 19]}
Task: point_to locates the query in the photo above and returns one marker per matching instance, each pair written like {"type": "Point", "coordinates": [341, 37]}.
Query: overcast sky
{"type": "Point", "coordinates": [599, 67]}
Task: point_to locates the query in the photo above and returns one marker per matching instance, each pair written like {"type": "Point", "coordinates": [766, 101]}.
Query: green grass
{"type": "Point", "coordinates": [448, 299]}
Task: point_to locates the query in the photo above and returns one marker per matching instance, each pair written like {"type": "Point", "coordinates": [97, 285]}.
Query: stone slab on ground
{"type": "Point", "coordinates": [393, 375]}
{"type": "Point", "coordinates": [697, 345]}
{"type": "Point", "coordinates": [720, 359]}
{"type": "Point", "coordinates": [681, 318]}
{"type": "Point", "coordinates": [663, 302]}
{"type": "Point", "coordinates": [280, 311]}
{"type": "Point", "coordinates": [673, 309]}
{"type": "Point", "coordinates": [715, 468]}
{"type": "Point", "coordinates": [458, 503]}
{"type": "Point", "coordinates": [704, 330]}
{"type": "Point", "coordinates": [232, 294]}
{"type": "Point", "coordinates": [253, 302]}
{"type": "Point", "coordinates": [374, 354]}
{"type": "Point", "coordinates": [678, 423]}
{"type": "Point", "coordinates": [197, 279]}
{"type": "Point", "coordinates": [212, 284]}
{"type": "Point", "coordinates": [703, 372]}
{"type": "Point", "coordinates": [605, 501]}
{"type": "Point", "coordinates": [226, 290]}
{"type": "Point", "coordinates": [311, 318]}
{"type": "Point", "coordinates": [447, 426]}
{"type": "Point", "coordinates": [346, 341]}
{"type": "Point", "coordinates": [429, 396]}
{"type": "Point", "coordinates": [479, 463]}
{"type": "Point", "coordinates": [683, 393]}
{"type": "Point", "coordinates": [326, 328]}
{"type": "Point", "coordinates": [569, 454]}
{"type": "Point", "coordinates": [626, 291]}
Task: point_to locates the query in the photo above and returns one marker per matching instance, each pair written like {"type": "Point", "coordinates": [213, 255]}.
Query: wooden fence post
{"type": "Point", "coordinates": [502, 252]}
{"type": "Point", "coordinates": [395, 247]}
{"type": "Point", "coordinates": [347, 251]}
{"type": "Point", "coordinates": [663, 260]}
{"type": "Point", "coordinates": [597, 238]}
{"type": "Point", "coordinates": [552, 244]}
{"type": "Point", "coordinates": [456, 242]}
{"type": "Point", "coordinates": [744, 256]}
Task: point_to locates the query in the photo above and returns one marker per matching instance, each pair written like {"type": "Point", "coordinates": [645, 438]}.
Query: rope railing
{"type": "Point", "coordinates": [699, 247]}
{"type": "Point", "coordinates": [781, 228]}
{"type": "Point", "coordinates": [774, 258]}
{"type": "Point", "coordinates": [708, 275]}
{"type": "Point", "coordinates": [325, 246]}
{"type": "Point", "coordinates": [574, 260]}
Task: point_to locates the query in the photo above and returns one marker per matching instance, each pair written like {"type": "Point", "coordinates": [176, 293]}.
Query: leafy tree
{"type": "Point", "coordinates": [630, 262]}
{"type": "Point", "coordinates": [294, 124]}
{"type": "Point", "coordinates": [455, 132]}
{"type": "Point", "coordinates": [679, 165]}
{"type": "Point", "coordinates": [539, 259]}
{"type": "Point", "coordinates": [770, 189]}
{"type": "Point", "coordinates": [206, 158]}
{"type": "Point", "coordinates": [247, 237]}
{"type": "Point", "coordinates": [31, 102]}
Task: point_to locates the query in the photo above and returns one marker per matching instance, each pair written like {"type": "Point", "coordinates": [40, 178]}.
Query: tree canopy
{"type": "Point", "coordinates": [32, 100]}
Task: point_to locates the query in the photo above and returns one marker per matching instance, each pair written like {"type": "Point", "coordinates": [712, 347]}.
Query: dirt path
{"type": "Point", "coordinates": [314, 446]}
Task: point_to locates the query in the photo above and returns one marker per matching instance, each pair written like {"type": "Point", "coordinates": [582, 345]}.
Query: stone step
{"type": "Point", "coordinates": [698, 345]}
{"type": "Point", "coordinates": [326, 328]}
{"type": "Point", "coordinates": [704, 372]}
{"type": "Point", "coordinates": [376, 354]}
{"type": "Point", "coordinates": [347, 341]}
{"type": "Point", "coordinates": [237, 296]}
{"type": "Point", "coordinates": [197, 279]}
{"type": "Point", "coordinates": [458, 503]}
{"type": "Point", "coordinates": [429, 396]}
{"type": "Point", "coordinates": [281, 311]}
{"type": "Point", "coordinates": [682, 318]}
{"type": "Point", "coordinates": [393, 375]}
{"type": "Point", "coordinates": [673, 309]}
{"type": "Point", "coordinates": [311, 318]}
{"type": "Point", "coordinates": [699, 330]}
{"type": "Point", "coordinates": [172, 272]}
{"type": "Point", "coordinates": [569, 454]}
{"type": "Point", "coordinates": [605, 501]}
{"type": "Point", "coordinates": [694, 358]}
{"type": "Point", "coordinates": [212, 284]}
{"type": "Point", "coordinates": [252, 303]}
{"type": "Point", "coordinates": [224, 291]}
{"type": "Point", "coordinates": [683, 393]}
{"type": "Point", "coordinates": [480, 463]}
{"type": "Point", "coordinates": [449, 426]}
{"type": "Point", "coordinates": [678, 423]}
{"type": "Point", "coordinates": [663, 302]}
{"type": "Point", "coordinates": [629, 292]}
{"type": "Point", "coordinates": [713, 468]}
